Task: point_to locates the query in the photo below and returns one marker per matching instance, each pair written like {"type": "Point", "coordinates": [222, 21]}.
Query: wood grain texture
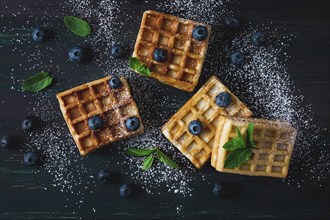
{"type": "Point", "coordinates": [22, 194]}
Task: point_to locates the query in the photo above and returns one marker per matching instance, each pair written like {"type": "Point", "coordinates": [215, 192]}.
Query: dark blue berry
{"type": "Point", "coordinates": [95, 123]}
{"type": "Point", "coordinates": [232, 22]}
{"type": "Point", "coordinates": [117, 51]}
{"type": "Point", "coordinates": [200, 33]}
{"type": "Point", "coordinates": [104, 176]}
{"type": "Point", "coordinates": [132, 123]}
{"type": "Point", "coordinates": [7, 142]}
{"type": "Point", "coordinates": [126, 190]}
{"type": "Point", "coordinates": [223, 99]}
{"type": "Point", "coordinates": [160, 55]}
{"type": "Point", "coordinates": [195, 127]}
{"type": "Point", "coordinates": [28, 124]}
{"type": "Point", "coordinates": [219, 189]}
{"type": "Point", "coordinates": [77, 54]}
{"type": "Point", "coordinates": [115, 82]}
{"type": "Point", "coordinates": [32, 158]}
{"type": "Point", "coordinates": [38, 35]}
{"type": "Point", "coordinates": [258, 38]}
{"type": "Point", "coordinates": [237, 58]}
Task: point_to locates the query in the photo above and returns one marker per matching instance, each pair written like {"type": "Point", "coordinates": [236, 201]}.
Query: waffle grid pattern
{"type": "Point", "coordinates": [201, 106]}
{"type": "Point", "coordinates": [114, 106]}
{"type": "Point", "coordinates": [185, 54]}
{"type": "Point", "coordinates": [274, 140]}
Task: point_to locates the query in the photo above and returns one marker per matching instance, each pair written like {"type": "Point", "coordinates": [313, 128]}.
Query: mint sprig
{"type": "Point", "coordinates": [249, 133]}
{"type": "Point", "coordinates": [77, 26]}
{"type": "Point", "coordinates": [235, 143]}
{"type": "Point", "coordinates": [142, 68]}
{"type": "Point", "coordinates": [139, 152]}
{"type": "Point", "coordinates": [37, 82]}
{"type": "Point", "coordinates": [152, 154]}
{"type": "Point", "coordinates": [166, 160]}
{"type": "Point", "coordinates": [239, 151]}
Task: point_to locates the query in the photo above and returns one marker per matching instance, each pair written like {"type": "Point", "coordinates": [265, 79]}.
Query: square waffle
{"type": "Point", "coordinates": [114, 106]}
{"type": "Point", "coordinates": [202, 106]}
{"type": "Point", "coordinates": [274, 141]}
{"type": "Point", "coordinates": [185, 56]}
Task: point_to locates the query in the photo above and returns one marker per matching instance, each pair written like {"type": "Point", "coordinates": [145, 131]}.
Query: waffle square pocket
{"type": "Point", "coordinates": [202, 107]}
{"type": "Point", "coordinates": [111, 106]}
{"type": "Point", "coordinates": [184, 54]}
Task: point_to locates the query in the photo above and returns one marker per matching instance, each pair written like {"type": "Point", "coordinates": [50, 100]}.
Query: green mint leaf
{"type": "Point", "coordinates": [249, 133]}
{"type": "Point", "coordinates": [166, 160]}
{"type": "Point", "coordinates": [37, 82]}
{"type": "Point", "coordinates": [139, 67]}
{"type": "Point", "coordinates": [139, 152]}
{"type": "Point", "coordinates": [235, 143]}
{"type": "Point", "coordinates": [133, 62]}
{"type": "Point", "coordinates": [237, 157]}
{"type": "Point", "coordinates": [147, 163]}
{"type": "Point", "coordinates": [77, 26]}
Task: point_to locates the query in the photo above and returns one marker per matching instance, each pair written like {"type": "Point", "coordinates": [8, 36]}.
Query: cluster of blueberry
{"type": "Point", "coordinates": [257, 39]}
{"type": "Point", "coordinates": [108, 177]}
{"type": "Point", "coordinates": [31, 158]}
{"type": "Point", "coordinates": [223, 100]}
{"type": "Point", "coordinates": [77, 54]}
{"type": "Point", "coordinates": [96, 122]}
{"type": "Point", "coordinates": [199, 33]}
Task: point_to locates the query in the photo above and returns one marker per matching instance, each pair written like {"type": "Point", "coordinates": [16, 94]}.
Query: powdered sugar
{"type": "Point", "coordinates": [263, 83]}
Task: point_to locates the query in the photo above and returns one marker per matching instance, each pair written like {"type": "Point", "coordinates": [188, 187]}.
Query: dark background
{"type": "Point", "coordinates": [21, 191]}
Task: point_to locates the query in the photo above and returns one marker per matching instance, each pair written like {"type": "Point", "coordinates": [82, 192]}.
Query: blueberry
{"type": "Point", "coordinates": [38, 34]}
{"type": "Point", "coordinates": [195, 127]}
{"type": "Point", "coordinates": [32, 158]}
{"type": "Point", "coordinates": [237, 58]}
{"type": "Point", "coordinates": [126, 190]}
{"type": "Point", "coordinates": [223, 99]}
{"type": "Point", "coordinates": [160, 55]}
{"type": "Point", "coordinates": [104, 176]}
{"type": "Point", "coordinates": [117, 51]}
{"type": "Point", "coordinates": [77, 54]}
{"type": "Point", "coordinates": [232, 22]}
{"type": "Point", "coordinates": [200, 33]}
{"type": "Point", "coordinates": [115, 82]}
{"type": "Point", "coordinates": [258, 38]}
{"type": "Point", "coordinates": [132, 123]}
{"type": "Point", "coordinates": [219, 189]}
{"type": "Point", "coordinates": [28, 123]}
{"type": "Point", "coordinates": [95, 122]}
{"type": "Point", "coordinates": [7, 142]}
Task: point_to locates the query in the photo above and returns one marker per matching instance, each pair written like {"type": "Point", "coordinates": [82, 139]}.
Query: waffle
{"type": "Point", "coordinates": [185, 54]}
{"type": "Point", "coordinates": [202, 107]}
{"type": "Point", "coordinates": [114, 106]}
{"type": "Point", "coordinates": [274, 141]}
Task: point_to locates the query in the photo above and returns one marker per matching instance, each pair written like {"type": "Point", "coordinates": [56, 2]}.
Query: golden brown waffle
{"type": "Point", "coordinates": [114, 106]}
{"type": "Point", "coordinates": [185, 54]}
{"type": "Point", "coordinates": [202, 106]}
{"type": "Point", "coordinates": [274, 140]}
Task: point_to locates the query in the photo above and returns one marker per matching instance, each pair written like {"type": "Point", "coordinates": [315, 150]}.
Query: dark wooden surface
{"type": "Point", "coordinates": [262, 198]}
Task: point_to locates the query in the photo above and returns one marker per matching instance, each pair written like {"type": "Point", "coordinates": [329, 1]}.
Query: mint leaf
{"type": "Point", "coordinates": [37, 82]}
{"type": "Point", "coordinates": [249, 133]}
{"type": "Point", "coordinates": [77, 26]}
{"type": "Point", "coordinates": [139, 152]}
{"type": "Point", "coordinates": [139, 67]}
{"type": "Point", "coordinates": [147, 163]}
{"type": "Point", "coordinates": [166, 160]}
{"type": "Point", "coordinates": [133, 62]}
{"type": "Point", "coordinates": [235, 143]}
{"type": "Point", "coordinates": [237, 157]}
